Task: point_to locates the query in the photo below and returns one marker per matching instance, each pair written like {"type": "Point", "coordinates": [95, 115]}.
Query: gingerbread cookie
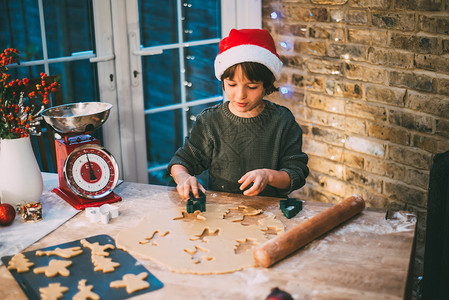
{"type": "Point", "coordinates": [20, 263]}
{"type": "Point", "coordinates": [105, 264]}
{"type": "Point", "coordinates": [65, 253]}
{"type": "Point", "coordinates": [85, 291]}
{"type": "Point", "coordinates": [96, 248]}
{"type": "Point", "coordinates": [53, 291]}
{"type": "Point", "coordinates": [132, 282]}
{"type": "Point", "coordinates": [54, 268]}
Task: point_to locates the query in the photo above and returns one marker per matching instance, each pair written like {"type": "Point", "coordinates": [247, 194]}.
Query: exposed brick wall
{"type": "Point", "coordinates": [368, 80]}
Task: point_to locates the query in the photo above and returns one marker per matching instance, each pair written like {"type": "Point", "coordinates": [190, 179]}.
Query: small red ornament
{"type": "Point", "coordinates": [7, 214]}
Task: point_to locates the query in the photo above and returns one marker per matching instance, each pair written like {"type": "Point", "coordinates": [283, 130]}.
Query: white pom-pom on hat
{"type": "Point", "coordinates": [248, 45]}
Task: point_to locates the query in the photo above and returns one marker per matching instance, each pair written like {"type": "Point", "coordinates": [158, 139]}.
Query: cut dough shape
{"type": "Point", "coordinates": [85, 291]}
{"type": "Point", "coordinates": [64, 253]}
{"type": "Point", "coordinates": [245, 245]}
{"type": "Point", "coordinates": [153, 239]}
{"type": "Point", "coordinates": [20, 263]}
{"type": "Point", "coordinates": [132, 282]}
{"type": "Point", "coordinates": [96, 248]}
{"type": "Point", "coordinates": [238, 214]}
{"type": "Point", "coordinates": [199, 255]}
{"type": "Point", "coordinates": [271, 231]}
{"type": "Point", "coordinates": [206, 232]}
{"type": "Point", "coordinates": [104, 264]}
{"type": "Point", "coordinates": [53, 291]}
{"type": "Point", "coordinates": [201, 243]}
{"type": "Point", "coordinates": [195, 216]}
{"type": "Point", "coordinates": [54, 268]}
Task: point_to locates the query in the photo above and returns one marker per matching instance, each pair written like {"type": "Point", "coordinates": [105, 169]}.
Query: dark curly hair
{"type": "Point", "coordinates": [255, 72]}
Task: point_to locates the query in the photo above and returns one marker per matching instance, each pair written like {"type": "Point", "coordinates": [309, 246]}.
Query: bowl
{"type": "Point", "coordinates": [77, 118]}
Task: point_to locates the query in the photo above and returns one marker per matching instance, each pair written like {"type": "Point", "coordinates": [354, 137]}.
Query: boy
{"type": "Point", "coordinates": [247, 143]}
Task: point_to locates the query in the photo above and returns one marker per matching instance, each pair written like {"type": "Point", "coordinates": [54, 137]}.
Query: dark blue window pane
{"type": "Point", "coordinates": [20, 28]}
{"type": "Point", "coordinates": [201, 20]}
{"type": "Point", "coordinates": [200, 72]}
{"type": "Point", "coordinates": [78, 80]}
{"type": "Point", "coordinates": [164, 136]}
{"type": "Point", "coordinates": [158, 22]}
{"type": "Point", "coordinates": [25, 72]}
{"type": "Point", "coordinates": [161, 79]}
{"type": "Point", "coordinates": [69, 27]}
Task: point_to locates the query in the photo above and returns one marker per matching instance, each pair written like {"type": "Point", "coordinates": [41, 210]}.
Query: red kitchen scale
{"type": "Point", "coordinates": [87, 172]}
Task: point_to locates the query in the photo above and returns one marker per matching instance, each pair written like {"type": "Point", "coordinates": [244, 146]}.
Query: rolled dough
{"type": "Point", "coordinates": [217, 241]}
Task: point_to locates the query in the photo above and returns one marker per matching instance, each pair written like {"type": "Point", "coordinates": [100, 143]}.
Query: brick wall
{"type": "Point", "coordinates": [368, 80]}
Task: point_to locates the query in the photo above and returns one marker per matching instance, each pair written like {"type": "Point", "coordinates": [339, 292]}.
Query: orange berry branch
{"type": "Point", "coordinates": [19, 113]}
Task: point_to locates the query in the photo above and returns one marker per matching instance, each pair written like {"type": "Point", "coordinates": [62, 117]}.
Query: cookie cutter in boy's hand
{"type": "Point", "coordinates": [194, 204]}
{"type": "Point", "coordinates": [102, 214]}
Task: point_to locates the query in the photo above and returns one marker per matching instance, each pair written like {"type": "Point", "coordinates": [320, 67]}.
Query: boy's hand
{"type": "Point", "coordinates": [259, 178]}
{"type": "Point", "coordinates": [188, 183]}
{"type": "Point", "coordinates": [185, 182]}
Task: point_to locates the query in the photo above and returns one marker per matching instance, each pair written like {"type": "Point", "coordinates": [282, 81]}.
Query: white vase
{"type": "Point", "coordinates": [20, 177]}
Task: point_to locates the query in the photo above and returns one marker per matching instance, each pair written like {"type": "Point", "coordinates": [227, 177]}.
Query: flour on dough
{"type": "Point", "coordinates": [210, 242]}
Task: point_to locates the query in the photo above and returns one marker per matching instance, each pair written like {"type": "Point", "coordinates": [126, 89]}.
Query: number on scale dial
{"type": "Point", "coordinates": [91, 171]}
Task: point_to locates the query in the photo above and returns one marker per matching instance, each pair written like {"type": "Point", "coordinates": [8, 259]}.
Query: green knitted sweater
{"type": "Point", "coordinates": [229, 146]}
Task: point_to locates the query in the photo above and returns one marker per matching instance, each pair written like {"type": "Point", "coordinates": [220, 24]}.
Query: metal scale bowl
{"type": "Point", "coordinates": [87, 172]}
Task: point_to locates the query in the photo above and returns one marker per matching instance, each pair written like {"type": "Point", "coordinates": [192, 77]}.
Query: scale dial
{"type": "Point", "coordinates": [91, 171]}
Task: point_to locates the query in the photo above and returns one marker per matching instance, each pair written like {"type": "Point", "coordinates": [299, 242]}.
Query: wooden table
{"type": "Point", "coordinates": [367, 257]}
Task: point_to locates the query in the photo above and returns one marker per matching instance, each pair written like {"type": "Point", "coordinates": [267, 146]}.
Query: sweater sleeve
{"type": "Point", "coordinates": [293, 159]}
{"type": "Point", "coordinates": [195, 153]}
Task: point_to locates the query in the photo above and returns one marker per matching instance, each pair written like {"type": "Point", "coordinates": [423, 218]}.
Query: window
{"type": "Point", "coordinates": [153, 62]}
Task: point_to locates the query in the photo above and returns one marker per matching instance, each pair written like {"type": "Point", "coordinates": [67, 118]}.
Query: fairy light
{"type": "Point", "coordinates": [274, 15]}
{"type": "Point", "coordinates": [283, 44]}
{"type": "Point", "coordinates": [284, 90]}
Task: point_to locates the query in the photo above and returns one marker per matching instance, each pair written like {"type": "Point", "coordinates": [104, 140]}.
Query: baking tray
{"type": "Point", "coordinates": [82, 268]}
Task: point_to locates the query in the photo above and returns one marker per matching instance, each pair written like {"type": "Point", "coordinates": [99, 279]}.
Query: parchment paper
{"type": "Point", "coordinates": [20, 234]}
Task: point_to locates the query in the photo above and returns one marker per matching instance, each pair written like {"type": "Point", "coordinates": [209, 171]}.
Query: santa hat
{"type": "Point", "coordinates": [248, 45]}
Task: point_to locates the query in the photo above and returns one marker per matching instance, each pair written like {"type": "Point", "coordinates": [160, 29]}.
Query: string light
{"type": "Point", "coordinates": [284, 90]}
{"type": "Point", "coordinates": [274, 15]}
{"type": "Point", "coordinates": [283, 44]}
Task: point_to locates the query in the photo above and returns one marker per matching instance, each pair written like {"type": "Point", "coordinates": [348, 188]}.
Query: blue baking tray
{"type": "Point", "coordinates": [82, 268]}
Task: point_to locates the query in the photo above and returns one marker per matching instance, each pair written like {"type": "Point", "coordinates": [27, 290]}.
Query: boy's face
{"type": "Point", "coordinates": [245, 97]}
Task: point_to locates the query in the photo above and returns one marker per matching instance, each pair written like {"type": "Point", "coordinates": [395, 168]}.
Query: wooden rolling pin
{"type": "Point", "coordinates": [276, 249]}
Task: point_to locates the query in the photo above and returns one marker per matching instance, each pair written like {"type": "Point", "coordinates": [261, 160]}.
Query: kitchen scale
{"type": "Point", "coordinates": [87, 172]}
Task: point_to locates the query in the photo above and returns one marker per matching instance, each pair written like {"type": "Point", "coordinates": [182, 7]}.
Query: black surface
{"type": "Point", "coordinates": [436, 256]}
{"type": "Point", "coordinates": [82, 268]}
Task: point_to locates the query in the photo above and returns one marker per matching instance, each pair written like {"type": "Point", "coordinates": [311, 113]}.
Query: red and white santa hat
{"type": "Point", "coordinates": [248, 45]}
